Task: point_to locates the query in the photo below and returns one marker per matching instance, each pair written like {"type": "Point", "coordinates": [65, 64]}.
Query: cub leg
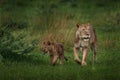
{"type": "Point", "coordinates": [61, 59]}
{"type": "Point", "coordinates": [55, 59]}
{"type": "Point", "coordinates": [51, 58]}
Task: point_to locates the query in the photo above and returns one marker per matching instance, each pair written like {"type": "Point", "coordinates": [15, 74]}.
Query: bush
{"type": "Point", "coordinates": [11, 24]}
{"type": "Point", "coordinates": [12, 47]}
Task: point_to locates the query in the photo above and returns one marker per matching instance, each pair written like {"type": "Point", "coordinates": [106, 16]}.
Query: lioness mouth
{"type": "Point", "coordinates": [86, 39]}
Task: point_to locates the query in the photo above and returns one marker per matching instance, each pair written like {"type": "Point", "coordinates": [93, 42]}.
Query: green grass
{"type": "Point", "coordinates": [55, 20]}
{"type": "Point", "coordinates": [38, 68]}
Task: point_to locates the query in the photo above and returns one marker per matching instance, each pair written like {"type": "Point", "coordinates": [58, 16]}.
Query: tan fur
{"type": "Point", "coordinates": [55, 51]}
{"type": "Point", "coordinates": [85, 38]}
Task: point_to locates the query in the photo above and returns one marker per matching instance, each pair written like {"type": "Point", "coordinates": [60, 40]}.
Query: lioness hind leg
{"type": "Point", "coordinates": [93, 48]}
{"type": "Point", "coordinates": [55, 59]}
{"type": "Point", "coordinates": [76, 57]}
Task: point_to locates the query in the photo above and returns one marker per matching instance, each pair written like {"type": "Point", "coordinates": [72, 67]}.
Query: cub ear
{"type": "Point", "coordinates": [88, 24]}
{"type": "Point", "coordinates": [48, 43]}
{"type": "Point", "coordinates": [52, 43]}
{"type": "Point", "coordinates": [43, 42]}
{"type": "Point", "coordinates": [78, 25]}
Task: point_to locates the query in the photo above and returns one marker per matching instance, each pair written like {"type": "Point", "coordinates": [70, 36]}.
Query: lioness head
{"type": "Point", "coordinates": [84, 31]}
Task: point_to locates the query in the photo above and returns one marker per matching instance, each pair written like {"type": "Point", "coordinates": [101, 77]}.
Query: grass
{"type": "Point", "coordinates": [38, 68]}
{"type": "Point", "coordinates": [55, 20]}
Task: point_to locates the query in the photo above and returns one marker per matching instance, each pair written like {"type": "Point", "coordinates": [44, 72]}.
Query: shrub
{"type": "Point", "coordinates": [15, 24]}
{"type": "Point", "coordinates": [12, 47]}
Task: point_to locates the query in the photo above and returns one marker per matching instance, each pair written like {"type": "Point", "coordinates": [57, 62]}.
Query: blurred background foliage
{"type": "Point", "coordinates": [55, 20]}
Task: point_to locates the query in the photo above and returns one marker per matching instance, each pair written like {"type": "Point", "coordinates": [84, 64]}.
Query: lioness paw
{"type": "Point", "coordinates": [84, 63]}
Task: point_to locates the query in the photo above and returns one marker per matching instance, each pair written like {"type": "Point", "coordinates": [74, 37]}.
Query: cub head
{"type": "Point", "coordinates": [46, 46]}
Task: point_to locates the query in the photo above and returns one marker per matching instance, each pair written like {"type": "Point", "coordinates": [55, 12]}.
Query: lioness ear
{"type": "Point", "coordinates": [77, 25]}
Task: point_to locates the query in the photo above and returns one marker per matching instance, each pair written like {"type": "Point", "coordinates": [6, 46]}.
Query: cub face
{"type": "Point", "coordinates": [45, 46]}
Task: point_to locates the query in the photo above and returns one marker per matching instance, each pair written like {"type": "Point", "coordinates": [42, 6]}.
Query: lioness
{"type": "Point", "coordinates": [55, 50]}
{"type": "Point", "coordinates": [85, 38]}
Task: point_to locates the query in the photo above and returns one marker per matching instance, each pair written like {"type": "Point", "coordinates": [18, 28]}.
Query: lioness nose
{"type": "Point", "coordinates": [87, 34]}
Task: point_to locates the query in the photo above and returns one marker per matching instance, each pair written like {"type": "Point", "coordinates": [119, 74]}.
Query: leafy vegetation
{"type": "Point", "coordinates": [12, 47]}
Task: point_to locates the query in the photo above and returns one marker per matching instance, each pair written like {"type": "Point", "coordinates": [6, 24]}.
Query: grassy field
{"type": "Point", "coordinates": [55, 20]}
{"type": "Point", "coordinates": [38, 68]}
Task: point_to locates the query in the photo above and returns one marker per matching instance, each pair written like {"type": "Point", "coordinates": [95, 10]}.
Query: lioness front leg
{"type": "Point", "coordinates": [84, 58]}
{"type": "Point", "coordinates": [55, 59]}
{"type": "Point", "coordinates": [76, 57]}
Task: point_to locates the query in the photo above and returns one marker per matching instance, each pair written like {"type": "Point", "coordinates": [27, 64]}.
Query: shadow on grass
{"type": "Point", "coordinates": [19, 58]}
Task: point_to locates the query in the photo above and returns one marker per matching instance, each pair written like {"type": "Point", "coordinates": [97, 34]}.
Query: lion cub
{"type": "Point", "coordinates": [55, 51]}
